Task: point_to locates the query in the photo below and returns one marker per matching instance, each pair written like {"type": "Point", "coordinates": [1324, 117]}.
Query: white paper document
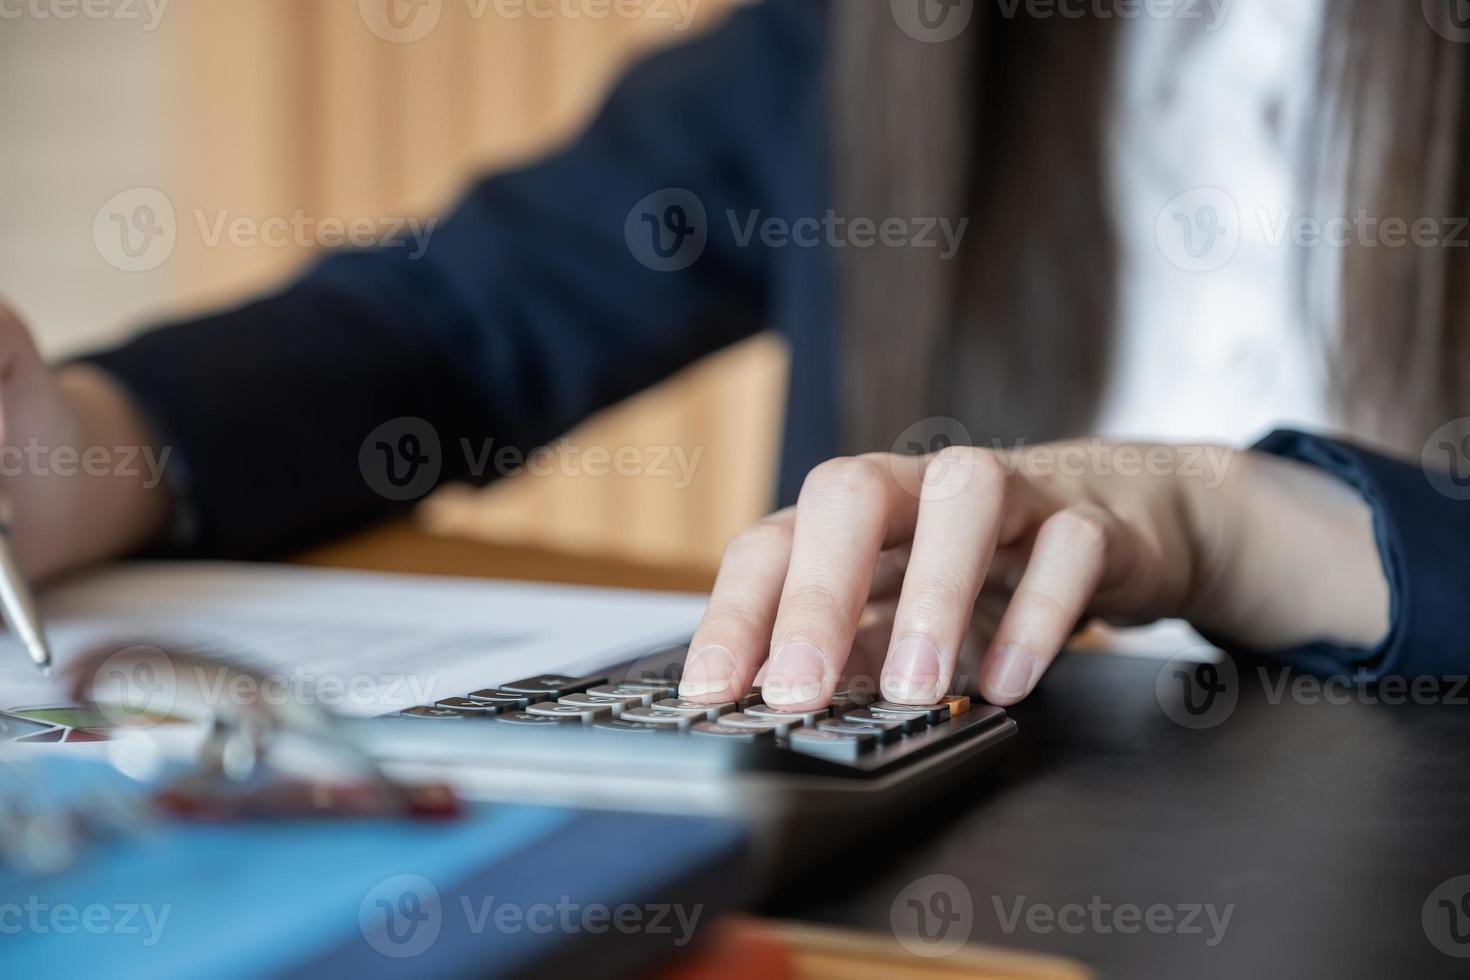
{"type": "Point", "coordinates": [358, 643]}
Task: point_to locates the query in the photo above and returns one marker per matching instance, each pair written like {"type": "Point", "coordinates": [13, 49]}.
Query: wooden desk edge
{"type": "Point", "coordinates": [402, 547]}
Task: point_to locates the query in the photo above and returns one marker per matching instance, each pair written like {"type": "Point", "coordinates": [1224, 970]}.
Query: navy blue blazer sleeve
{"type": "Point", "coordinates": [528, 311]}
{"type": "Point", "coordinates": [1423, 537]}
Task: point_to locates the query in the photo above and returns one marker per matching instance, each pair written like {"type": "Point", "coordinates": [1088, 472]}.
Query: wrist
{"type": "Point", "coordinates": [1213, 513]}
{"type": "Point", "coordinates": [1287, 556]}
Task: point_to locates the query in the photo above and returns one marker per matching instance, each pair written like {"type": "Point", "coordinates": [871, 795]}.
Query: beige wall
{"type": "Point", "coordinates": [257, 109]}
{"type": "Point", "coordinates": [80, 120]}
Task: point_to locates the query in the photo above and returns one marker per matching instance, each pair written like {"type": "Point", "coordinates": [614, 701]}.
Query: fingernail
{"type": "Point", "coordinates": [1014, 672]}
{"type": "Point", "coordinates": [911, 672]}
{"type": "Point", "coordinates": [797, 673]}
{"type": "Point", "coordinates": [708, 670]}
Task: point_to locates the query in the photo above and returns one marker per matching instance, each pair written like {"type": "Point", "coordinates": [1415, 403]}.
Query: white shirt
{"type": "Point", "coordinates": [1211, 339]}
{"type": "Point", "coordinates": [1212, 344]}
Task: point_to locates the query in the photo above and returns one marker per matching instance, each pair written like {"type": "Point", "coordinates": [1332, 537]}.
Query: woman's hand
{"type": "Point", "coordinates": [970, 569]}
{"type": "Point", "coordinates": [73, 485]}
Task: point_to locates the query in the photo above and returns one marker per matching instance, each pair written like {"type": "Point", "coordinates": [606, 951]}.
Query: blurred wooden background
{"type": "Point", "coordinates": [275, 106]}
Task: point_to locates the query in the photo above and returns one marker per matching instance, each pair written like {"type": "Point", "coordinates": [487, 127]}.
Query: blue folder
{"type": "Point", "coordinates": [504, 891]}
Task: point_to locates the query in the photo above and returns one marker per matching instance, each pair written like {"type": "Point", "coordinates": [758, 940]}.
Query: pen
{"type": "Point", "coordinates": [19, 605]}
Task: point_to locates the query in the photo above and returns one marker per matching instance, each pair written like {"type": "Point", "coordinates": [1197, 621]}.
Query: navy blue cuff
{"type": "Point", "coordinates": [1422, 538]}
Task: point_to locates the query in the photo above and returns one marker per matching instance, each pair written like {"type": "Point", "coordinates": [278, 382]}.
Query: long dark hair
{"type": "Point", "coordinates": [1005, 124]}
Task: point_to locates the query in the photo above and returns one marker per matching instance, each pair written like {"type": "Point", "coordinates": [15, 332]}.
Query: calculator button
{"type": "Point", "coordinates": [467, 706]}
{"type": "Point", "coordinates": [526, 718]}
{"type": "Point", "coordinates": [833, 745]}
{"type": "Point", "coordinates": [643, 695]}
{"type": "Point", "coordinates": [577, 712]}
{"type": "Point", "coordinates": [671, 720]}
{"type": "Point", "coordinates": [750, 697]}
{"type": "Point", "coordinates": [934, 712]}
{"type": "Point", "coordinates": [910, 722]}
{"type": "Point", "coordinates": [587, 700]}
{"type": "Point", "coordinates": [505, 699]}
{"type": "Point", "coordinates": [781, 715]}
{"type": "Point", "coordinates": [432, 712]}
{"type": "Point", "coordinates": [631, 727]}
{"type": "Point", "coordinates": [552, 685]}
{"type": "Point", "coordinates": [958, 704]}
{"type": "Point", "coordinates": [654, 676]}
{"type": "Point", "coordinates": [653, 687]}
{"type": "Point", "coordinates": [883, 731]}
{"type": "Point", "coordinates": [856, 695]}
{"type": "Point", "coordinates": [685, 706]}
{"type": "Point", "coordinates": [739, 720]}
{"type": "Point", "coordinates": [729, 733]}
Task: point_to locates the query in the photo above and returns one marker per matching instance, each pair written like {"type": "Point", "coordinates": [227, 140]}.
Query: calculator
{"type": "Point", "coordinates": [623, 739]}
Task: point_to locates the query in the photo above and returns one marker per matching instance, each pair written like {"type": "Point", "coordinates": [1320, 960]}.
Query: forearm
{"type": "Point", "coordinates": [99, 493]}
{"type": "Point", "coordinates": [1288, 557]}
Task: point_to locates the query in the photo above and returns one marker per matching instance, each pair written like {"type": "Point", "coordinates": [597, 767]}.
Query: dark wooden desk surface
{"type": "Point", "coordinates": [1326, 828]}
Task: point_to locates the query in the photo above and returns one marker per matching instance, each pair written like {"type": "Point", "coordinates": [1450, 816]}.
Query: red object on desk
{"type": "Point", "coordinates": [735, 951]}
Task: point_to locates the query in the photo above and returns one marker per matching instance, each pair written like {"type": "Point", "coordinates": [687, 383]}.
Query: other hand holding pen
{"type": "Point", "coordinates": [70, 444]}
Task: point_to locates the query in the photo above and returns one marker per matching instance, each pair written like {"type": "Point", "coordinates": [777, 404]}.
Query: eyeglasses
{"type": "Point", "coordinates": [256, 759]}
